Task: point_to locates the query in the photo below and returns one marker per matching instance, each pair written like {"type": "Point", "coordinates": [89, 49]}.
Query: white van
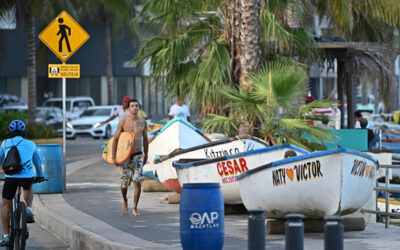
{"type": "Point", "coordinates": [74, 105]}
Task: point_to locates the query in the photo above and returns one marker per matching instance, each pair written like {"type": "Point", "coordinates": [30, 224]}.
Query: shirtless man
{"type": "Point", "coordinates": [133, 168]}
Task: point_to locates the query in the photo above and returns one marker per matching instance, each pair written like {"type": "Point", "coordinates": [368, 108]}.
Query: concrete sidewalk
{"type": "Point", "coordinates": [88, 216]}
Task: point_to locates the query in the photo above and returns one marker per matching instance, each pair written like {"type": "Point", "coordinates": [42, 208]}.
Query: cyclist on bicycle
{"type": "Point", "coordinates": [29, 156]}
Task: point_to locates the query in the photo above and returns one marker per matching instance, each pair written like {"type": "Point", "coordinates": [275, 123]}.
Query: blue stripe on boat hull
{"type": "Point", "coordinates": [257, 151]}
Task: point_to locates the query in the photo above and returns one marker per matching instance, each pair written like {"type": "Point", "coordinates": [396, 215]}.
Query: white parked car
{"type": "Point", "coordinates": [89, 123]}
{"type": "Point", "coordinates": [74, 105]}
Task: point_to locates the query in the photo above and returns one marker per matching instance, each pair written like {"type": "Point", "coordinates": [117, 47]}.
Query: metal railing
{"type": "Point", "coordinates": [387, 190]}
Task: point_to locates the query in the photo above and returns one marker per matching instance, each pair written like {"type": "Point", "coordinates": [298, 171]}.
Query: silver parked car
{"type": "Point", "coordinates": [51, 116]}
{"type": "Point", "coordinates": [7, 99]}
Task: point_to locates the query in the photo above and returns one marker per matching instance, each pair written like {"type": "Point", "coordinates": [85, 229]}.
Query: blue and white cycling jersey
{"type": "Point", "coordinates": [28, 153]}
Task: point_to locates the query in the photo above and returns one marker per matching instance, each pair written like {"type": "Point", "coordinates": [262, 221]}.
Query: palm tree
{"type": "Point", "coordinates": [27, 11]}
{"type": "Point", "coordinates": [275, 104]}
{"type": "Point", "coordinates": [367, 21]}
{"type": "Point", "coordinates": [202, 46]}
{"type": "Point", "coordinates": [114, 15]}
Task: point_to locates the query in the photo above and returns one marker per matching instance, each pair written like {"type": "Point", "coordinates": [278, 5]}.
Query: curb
{"type": "Point", "coordinates": [79, 230]}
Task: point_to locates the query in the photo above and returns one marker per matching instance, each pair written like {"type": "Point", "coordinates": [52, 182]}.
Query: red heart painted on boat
{"type": "Point", "coordinates": [367, 171]}
{"type": "Point", "coordinates": [289, 173]}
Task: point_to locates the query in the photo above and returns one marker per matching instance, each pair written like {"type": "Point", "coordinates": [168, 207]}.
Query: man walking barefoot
{"type": "Point", "coordinates": [132, 169]}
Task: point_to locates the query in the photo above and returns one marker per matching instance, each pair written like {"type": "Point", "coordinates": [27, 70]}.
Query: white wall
{"type": "Point", "coordinates": [24, 89]}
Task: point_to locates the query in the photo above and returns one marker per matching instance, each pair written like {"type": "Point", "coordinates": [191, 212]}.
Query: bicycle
{"type": "Point", "coordinates": [17, 228]}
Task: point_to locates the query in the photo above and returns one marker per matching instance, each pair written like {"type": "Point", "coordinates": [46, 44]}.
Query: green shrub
{"type": "Point", "coordinates": [6, 118]}
{"type": "Point", "coordinates": [40, 131]}
{"type": "Point", "coordinates": [35, 131]}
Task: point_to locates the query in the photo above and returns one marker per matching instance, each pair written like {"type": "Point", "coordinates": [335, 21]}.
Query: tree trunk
{"type": "Point", "coordinates": [31, 67]}
{"type": "Point", "coordinates": [292, 16]}
{"type": "Point", "coordinates": [249, 50]}
{"type": "Point", "coordinates": [249, 37]}
{"type": "Point", "coordinates": [109, 74]}
{"type": "Point", "coordinates": [232, 33]}
{"type": "Point", "coordinates": [228, 31]}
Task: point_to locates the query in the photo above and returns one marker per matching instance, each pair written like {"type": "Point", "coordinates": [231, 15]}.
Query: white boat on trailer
{"type": "Point", "coordinates": [167, 174]}
{"type": "Point", "coordinates": [225, 169]}
{"type": "Point", "coordinates": [177, 134]}
{"type": "Point", "coordinates": [332, 182]}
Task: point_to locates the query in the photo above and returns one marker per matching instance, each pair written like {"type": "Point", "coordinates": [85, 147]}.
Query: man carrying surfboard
{"type": "Point", "coordinates": [132, 169]}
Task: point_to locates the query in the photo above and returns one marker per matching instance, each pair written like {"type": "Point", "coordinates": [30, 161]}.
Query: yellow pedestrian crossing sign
{"type": "Point", "coordinates": [64, 36]}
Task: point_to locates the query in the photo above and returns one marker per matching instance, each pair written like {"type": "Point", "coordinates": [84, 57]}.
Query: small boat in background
{"type": "Point", "coordinates": [231, 146]}
{"type": "Point", "coordinates": [153, 126]}
{"type": "Point", "coordinates": [394, 198]}
{"type": "Point", "coordinates": [177, 134]}
{"type": "Point", "coordinates": [331, 182]}
{"type": "Point", "coordinates": [225, 169]}
{"type": "Point", "coordinates": [394, 205]}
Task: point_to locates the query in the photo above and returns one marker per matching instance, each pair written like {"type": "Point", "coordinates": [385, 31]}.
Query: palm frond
{"type": "Point", "coordinates": [295, 128]}
{"type": "Point", "coordinates": [364, 20]}
{"type": "Point", "coordinates": [226, 125]}
{"type": "Point", "coordinates": [288, 83]}
{"type": "Point", "coordinates": [274, 37]}
{"type": "Point", "coordinates": [315, 104]}
{"type": "Point", "coordinates": [387, 12]}
{"type": "Point", "coordinates": [278, 39]}
{"type": "Point", "coordinates": [211, 74]}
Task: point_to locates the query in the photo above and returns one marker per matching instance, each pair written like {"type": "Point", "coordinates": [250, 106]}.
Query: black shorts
{"type": "Point", "coordinates": [11, 184]}
{"type": "Point", "coordinates": [135, 154]}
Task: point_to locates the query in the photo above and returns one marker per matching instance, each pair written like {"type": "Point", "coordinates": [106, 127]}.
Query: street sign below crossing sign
{"type": "Point", "coordinates": [64, 70]}
{"type": "Point", "coordinates": [64, 36]}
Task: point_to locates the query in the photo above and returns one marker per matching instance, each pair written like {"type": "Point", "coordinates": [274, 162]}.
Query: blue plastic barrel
{"type": "Point", "coordinates": [52, 165]}
{"type": "Point", "coordinates": [202, 216]}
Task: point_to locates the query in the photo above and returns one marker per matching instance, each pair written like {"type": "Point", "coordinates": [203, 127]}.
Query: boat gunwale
{"type": "Point", "coordinates": [180, 119]}
{"type": "Point", "coordinates": [306, 156]}
{"type": "Point", "coordinates": [176, 164]}
{"type": "Point", "coordinates": [209, 144]}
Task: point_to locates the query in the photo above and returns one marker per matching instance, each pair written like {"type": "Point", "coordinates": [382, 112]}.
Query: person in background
{"type": "Point", "coordinates": [309, 99]}
{"type": "Point", "coordinates": [179, 110]}
{"type": "Point", "coordinates": [29, 157]}
{"type": "Point", "coordinates": [122, 111]}
{"type": "Point", "coordinates": [372, 139]}
{"type": "Point", "coordinates": [358, 116]}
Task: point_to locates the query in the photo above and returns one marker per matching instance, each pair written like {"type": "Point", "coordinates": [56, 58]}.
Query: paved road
{"type": "Point", "coordinates": [83, 147]}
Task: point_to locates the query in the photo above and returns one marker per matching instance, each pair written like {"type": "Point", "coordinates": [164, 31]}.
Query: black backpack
{"type": "Point", "coordinates": [12, 163]}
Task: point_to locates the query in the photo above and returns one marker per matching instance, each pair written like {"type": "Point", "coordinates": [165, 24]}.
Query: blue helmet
{"type": "Point", "coordinates": [16, 125]}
